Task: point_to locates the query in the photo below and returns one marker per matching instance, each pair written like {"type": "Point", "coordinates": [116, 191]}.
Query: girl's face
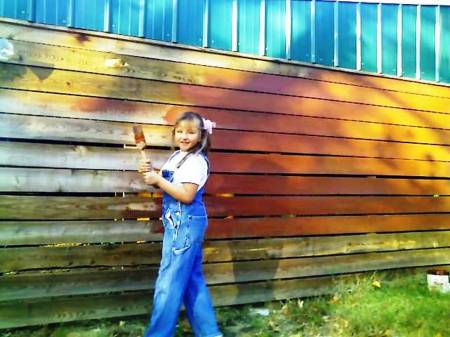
{"type": "Point", "coordinates": [187, 134]}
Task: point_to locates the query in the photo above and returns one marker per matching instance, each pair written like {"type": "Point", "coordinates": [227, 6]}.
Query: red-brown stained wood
{"type": "Point", "coordinates": [60, 81]}
{"type": "Point", "coordinates": [13, 179]}
{"type": "Point", "coordinates": [114, 158]}
{"type": "Point", "coordinates": [15, 233]}
{"type": "Point", "coordinates": [94, 108]}
{"type": "Point", "coordinates": [36, 207]}
{"type": "Point", "coordinates": [89, 61]}
{"type": "Point", "coordinates": [273, 184]}
{"type": "Point", "coordinates": [130, 46]}
{"type": "Point", "coordinates": [86, 131]}
{"type": "Point", "coordinates": [322, 225]}
{"type": "Point", "coordinates": [295, 164]}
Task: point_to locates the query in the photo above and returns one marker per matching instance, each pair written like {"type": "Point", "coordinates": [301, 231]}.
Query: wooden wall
{"type": "Point", "coordinates": [316, 173]}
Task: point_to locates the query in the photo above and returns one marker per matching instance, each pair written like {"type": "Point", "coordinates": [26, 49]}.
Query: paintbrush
{"type": "Point", "coordinates": [141, 144]}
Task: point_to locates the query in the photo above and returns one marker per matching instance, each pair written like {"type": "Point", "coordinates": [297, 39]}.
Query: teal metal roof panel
{"type": "Point", "coordinates": [389, 14]}
{"type": "Point", "coordinates": [248, 26]}
{"type": "Point", "coordinates": [427, 43]}
{"type": "Point", "coordinates": [158, 20]}
{"type": "Point", "coordinates": [220, 13]}
{"type": "Point", "coordinates": [409, 18]}
{"type": "Point", "coordinates": [301, 30]}
{"type": "Point", "coordinates": [17, 9]}
{"type": "Point", "coordinates": [409, 40]}
{"type": "Point", "coordinates": [52, 12]}
{"type": "Point", "coordinates": [275, 28]}
{"type": "Point", "coordinates": [324, 27]}
{"type": "Point", "coordinates": [87, 14]}
{"type": "Point", "coordinates": [444, 60]}
{"type": "Point", "coordinates": [125, 17]}
{"type": "Point", "coordinates": [347, 35]}
{"type": "Point", "coordinates": [190, 22]}
{"type": "Point", "coordinates": [369, 37]}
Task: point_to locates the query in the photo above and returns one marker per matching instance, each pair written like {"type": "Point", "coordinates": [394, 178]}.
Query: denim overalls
{"type": "Point", "coordinates": [180, 277]}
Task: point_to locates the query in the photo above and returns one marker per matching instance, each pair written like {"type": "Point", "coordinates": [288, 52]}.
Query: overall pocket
{"type": "Point", "coordinates": [181, 239]}
{"type": "Point", "coordinates": [197, 225]}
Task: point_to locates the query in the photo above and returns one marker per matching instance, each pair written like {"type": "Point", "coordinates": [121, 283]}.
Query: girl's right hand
{"type": "Point", "coordinates": [145, 166]}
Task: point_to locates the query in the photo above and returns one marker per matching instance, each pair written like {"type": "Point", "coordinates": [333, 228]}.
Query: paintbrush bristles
{"type": "Point", "coordinates": [139, 137]}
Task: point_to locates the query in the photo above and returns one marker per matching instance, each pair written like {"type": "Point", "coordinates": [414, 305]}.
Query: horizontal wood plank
{"type": "Point", "coordinates": [70, 82]}
{"type": "Point", "coordinates": [320, 225]}
{"type": "Point", "coordinates": [62, 232]}
{"type": "Point", "coordinates": [133, 254]}
{"type": "Point", "coordinates": [111, 158]}
{"type": "Point", "coordinates": [43, 310]}
{"type": "Point", "coordinates": [79, 208]}
{"type": "Point", "coordinates": [91, 280]}
{"type": "Point", "coordinates": [85, 131]}
{"type": "Point", "coordinates": [36, 54]}
{"type": "Point", "coordinates": [59, 232]}
{"type": "Point", "coordinates": [14, 179]}
{"type": "Point", "coordinates": [96, 108]}
{"type": "Point", "coordinates": [126, 45]}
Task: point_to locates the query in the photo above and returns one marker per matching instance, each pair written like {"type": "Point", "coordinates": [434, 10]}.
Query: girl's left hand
{"type": "Point", "coordinates": [152, 177]}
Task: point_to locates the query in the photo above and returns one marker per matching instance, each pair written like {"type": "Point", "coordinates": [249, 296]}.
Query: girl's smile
{"type": "Point", "coordinates": [187, 135]}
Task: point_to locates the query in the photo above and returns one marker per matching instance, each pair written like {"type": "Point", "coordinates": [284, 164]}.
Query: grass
{"type": "Point", "coordinates": [377, 305]}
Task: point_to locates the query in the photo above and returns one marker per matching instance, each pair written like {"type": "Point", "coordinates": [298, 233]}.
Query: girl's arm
{"type": "Point", "coordinates": [184, 192]}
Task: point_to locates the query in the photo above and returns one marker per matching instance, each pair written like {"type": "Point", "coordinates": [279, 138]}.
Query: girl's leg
{"type": "Point", "coordinates": [173, 277]}
{"type": "Point", "coordinates": [198, 302]}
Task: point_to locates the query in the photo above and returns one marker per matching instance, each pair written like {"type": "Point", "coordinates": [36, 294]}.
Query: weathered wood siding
{"type": "Point", "coordinates": [315, 173]}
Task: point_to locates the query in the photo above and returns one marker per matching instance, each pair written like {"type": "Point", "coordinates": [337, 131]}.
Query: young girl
{"type": "Point", "coordinates": [180, 277]}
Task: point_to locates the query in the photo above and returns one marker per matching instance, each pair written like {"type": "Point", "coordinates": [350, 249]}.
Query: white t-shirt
{"type": "Point", "coordinates": [194, 170]}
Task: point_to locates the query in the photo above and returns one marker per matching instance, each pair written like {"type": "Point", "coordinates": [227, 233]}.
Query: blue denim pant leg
{"type": "Point", "coordinates": [180, 278]}
{"type": "Point", "coordinates": [198, 302]}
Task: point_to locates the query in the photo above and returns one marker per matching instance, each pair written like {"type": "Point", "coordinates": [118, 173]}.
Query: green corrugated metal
{"type": "Point", "coordinates": [444, 69]}
{"type": "Point", "coordinates": [190, 22]}
{"type": "Point", "coordinates": [389, 39]}
{"type": "Point", "coordinates": [158, 20]}
{"type": "Point", "coordinates": [219, 36]}
{"type": "Point", "coordinates": [347, 35]}
{"type": "Point", "coordinates": [427, 45]}
{"type": "Point", "coordinates": [85, 14]}
{"type": "Point", "coordinates": [276, 28]}
{"type": "Point", "coordinates": [184, 21]}
{"type": "Point", "coordinates": [51, 12]}
{"type": "Point", "coordinates": [248, 26]}
{"type": "Point", "coordinates": [17, 9]}
{"type": "Point", "coordinates": [369, 37]}
{"type": "Point", "coordinates": [324, 28]}
{"type": "Point", "coordinates": [301, 30]}
{"type": "Point", "coordinates": [124, 17]}
{"type": "Point", "coordinates": [409, 17]}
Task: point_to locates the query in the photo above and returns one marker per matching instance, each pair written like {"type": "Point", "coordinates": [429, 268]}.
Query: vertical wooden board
{"type": "Point", "coordinates": [88, 14]}
{"type": "Point", "coordinates": [444, 69]}
{"type": "Point", "coordinates": [301, 30]}
{"type": "Point", "coordinates": [125, 17]}
{"type": "Point", "coordinates": [324, 27]}
{"type": "Point", "coordinates": [409, 14]}
{"type": "Point", "coordinates": [219, 35]}
{"type": "Point", "coordinates": [369, 37]}
{"type": "Point", "coordinates": [275, 28]}
{"type": "Point", "coordinates": [389, 39]}
{"type": "Point", "coordinates": [248, 26]}
{"type": "Point", "coordinates": [158, 20]}
{"type": "Point", "coordinates": [190, 22]}
{"type": "Point", "coordinates": [427, 43]}
{"type": "Point", "coordinates": [52, 12]}
{"type": "Point", "coordinates": [347, 35]}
